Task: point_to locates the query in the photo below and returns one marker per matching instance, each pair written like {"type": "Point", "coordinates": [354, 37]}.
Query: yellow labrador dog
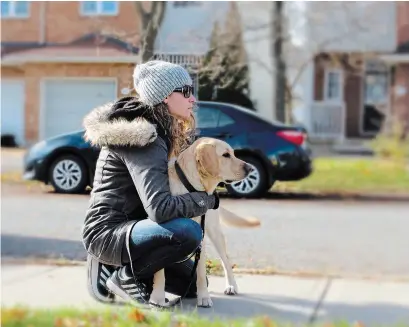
{"type": "Point", "coordinates": [206, 163]}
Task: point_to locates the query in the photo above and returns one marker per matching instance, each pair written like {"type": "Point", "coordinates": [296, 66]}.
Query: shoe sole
{"type": "Point", "coordinates": [93, 288]}
{"type": "Point", "coordinates": [125, 296]}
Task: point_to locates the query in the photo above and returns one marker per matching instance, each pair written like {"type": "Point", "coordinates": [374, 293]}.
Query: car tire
{"type": "Point", "coordinates": [255, 185]}
{"type": "Point", "coordinates": [68, 174]}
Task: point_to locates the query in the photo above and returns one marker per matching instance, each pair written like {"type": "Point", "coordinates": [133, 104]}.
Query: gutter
{"type": "Point", "coordinates": [39, 59]}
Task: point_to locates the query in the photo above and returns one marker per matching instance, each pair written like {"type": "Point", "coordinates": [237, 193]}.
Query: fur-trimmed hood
{"type": "Point", "coordinates": [122, 123]}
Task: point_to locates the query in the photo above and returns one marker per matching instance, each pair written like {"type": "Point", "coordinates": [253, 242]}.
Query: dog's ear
{"type": "Point", "coordinates": [206, 160]}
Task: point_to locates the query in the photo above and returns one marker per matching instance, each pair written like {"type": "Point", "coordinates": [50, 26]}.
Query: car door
{"type": "Point", "coordinates": [212, 122]}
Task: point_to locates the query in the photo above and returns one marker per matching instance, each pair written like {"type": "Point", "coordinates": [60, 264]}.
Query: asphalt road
{"type": "Point", "coordinates": [344, 238]}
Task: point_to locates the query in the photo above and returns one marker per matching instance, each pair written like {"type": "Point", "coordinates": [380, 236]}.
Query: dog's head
{"type": "Point", "coordinates": [215, 159]}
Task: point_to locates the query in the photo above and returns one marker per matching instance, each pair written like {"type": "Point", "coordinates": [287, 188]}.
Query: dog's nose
{"type": "Point", "coordinates": [248, 169]}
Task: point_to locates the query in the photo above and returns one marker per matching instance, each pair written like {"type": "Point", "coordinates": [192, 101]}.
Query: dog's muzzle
{"type": "Point", "coordinates": [248, 169]}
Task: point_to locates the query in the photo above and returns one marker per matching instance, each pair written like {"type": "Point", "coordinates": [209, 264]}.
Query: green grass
{"type": "Point", "coordinates": [347, 175]}
{"type": "Point", "coordinates": [214, 267]}
{"type": "Point", "coordinates": [127, 317]}
{"type": "Point", "coordinates": [16, 177]}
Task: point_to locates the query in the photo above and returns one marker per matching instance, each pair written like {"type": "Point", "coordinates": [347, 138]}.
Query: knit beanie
{"type": "Point", "coordinates": [156, 79]}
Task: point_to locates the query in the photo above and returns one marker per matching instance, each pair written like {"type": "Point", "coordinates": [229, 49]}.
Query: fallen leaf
{"type": "Point", "coordinates": [268, 322]}
{"type": "Point", "coordinates": [136, 315]}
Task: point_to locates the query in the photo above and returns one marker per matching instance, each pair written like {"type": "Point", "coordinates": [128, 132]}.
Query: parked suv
{"type": "Point", "coordinates": [277, 152]}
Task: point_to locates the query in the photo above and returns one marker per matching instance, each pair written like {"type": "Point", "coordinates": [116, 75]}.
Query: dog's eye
{"type": "Point", "coordinates": [226, 155]}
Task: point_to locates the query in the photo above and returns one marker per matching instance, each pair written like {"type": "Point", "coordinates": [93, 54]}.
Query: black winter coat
{"type": "Point", "coordinates": [131, 178]}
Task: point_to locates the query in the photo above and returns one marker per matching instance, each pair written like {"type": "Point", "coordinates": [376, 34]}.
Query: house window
{"type": "Point", "coordinates": [99, 8]}
{"type": "Point", "coordinates": [376, 82]}
{"type": "Point", "coordinates": [184, 4]}
{"type": "Point", "coordinates": [15, 9]}
{"type": "Point", "coordinates": [376, 88]}
{"type": "Point", "coordinates": [333, 85]}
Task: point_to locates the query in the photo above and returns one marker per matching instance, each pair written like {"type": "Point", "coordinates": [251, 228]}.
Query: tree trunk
{"type": "Point", "coordinates": [278, 60]}
{"type": "Point", "coordinates": [151, 22]}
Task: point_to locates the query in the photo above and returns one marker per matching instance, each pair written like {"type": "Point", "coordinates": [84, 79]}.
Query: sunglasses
{"type": "Point", "coordinates": [186, 90]}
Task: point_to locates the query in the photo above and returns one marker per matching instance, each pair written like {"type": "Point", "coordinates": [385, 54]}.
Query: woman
{"type": "Point", "coordinates": [131, 204]}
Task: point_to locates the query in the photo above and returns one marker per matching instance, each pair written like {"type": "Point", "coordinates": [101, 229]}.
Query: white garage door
{"type": "Point", "coordinates": [12, 109]}
{"type": "Point", "coordinates": [66, 102]}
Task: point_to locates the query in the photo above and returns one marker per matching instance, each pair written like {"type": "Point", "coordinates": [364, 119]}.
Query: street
{"type": "Point", "coordinates": [307, 236]}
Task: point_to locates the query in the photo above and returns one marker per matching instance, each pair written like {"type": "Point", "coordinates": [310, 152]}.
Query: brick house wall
{"type": "Point", "coordinates": [402, 21]}
{"type": "Point", "coordinates": [65, 23]}
{"type": "Point", "coordinates": [22, 29]}
{"type": "Point", "coordinates": [400, 104]}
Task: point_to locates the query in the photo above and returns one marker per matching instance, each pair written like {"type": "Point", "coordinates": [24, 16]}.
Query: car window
{"type": "Point", "coordinates": [207, 118]}
{"type": "Point", "coordinates": [225, 120]}
{"type": "Point", "coordinates": [212, 118]}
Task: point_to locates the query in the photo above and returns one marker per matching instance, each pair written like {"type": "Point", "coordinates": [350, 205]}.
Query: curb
{"type": "Point", "coordinates": [337, 196]}
{"type": "Point", "coordinates": [325, 196]}
{"type": "Point", "coordinates": [242, 271]}
{"type": "Point", "coordinates": [41, 262]}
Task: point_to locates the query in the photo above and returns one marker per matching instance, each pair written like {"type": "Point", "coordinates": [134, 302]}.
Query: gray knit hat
{"type": "Point", "coordinates": [155, 80]}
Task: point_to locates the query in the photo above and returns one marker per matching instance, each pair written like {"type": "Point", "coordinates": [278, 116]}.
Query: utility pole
{"type": "Point", "coordinates": [278, 60]}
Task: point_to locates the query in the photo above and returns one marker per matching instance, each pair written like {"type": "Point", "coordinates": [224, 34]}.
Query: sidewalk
{"type": "Point", "coordinates": [282, 298]}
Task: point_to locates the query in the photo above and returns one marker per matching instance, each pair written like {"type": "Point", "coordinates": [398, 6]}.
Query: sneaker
{"type": "Point", "coordinates": [135, 290]}
{"type": "Point", "coordinates": [129, 288]}
{"type": "Point", "coordinates": [98, 274]}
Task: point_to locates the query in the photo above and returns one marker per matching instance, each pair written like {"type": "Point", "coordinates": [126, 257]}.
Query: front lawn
{"type": "Point", "coordinates": [130, 317]}
{"type": "Point", "coordinates": [350, 175]}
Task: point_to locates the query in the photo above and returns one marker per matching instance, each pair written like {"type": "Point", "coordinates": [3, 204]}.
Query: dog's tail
{"type": "Point", "coordinates": [231, 219]}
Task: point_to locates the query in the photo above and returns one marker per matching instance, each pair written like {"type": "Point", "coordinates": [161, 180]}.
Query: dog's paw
{"type": "Point", "coordinates": [204, 300]}
{"type": "Point", "coordinates": [158, 299]}
{"type": "Point", "coordinates": [231, 290]}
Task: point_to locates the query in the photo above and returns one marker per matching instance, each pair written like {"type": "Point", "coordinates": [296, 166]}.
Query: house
{"type": "Point", "coordinates": [60, 59]}
{"type": "Point", "coordinates": [352, 68]}
{"type": "Point", "coordinates": [398, 63]}
{"type": "Point", "coordinates": [55, 67]}
{"type": "Point", "coordinates": [184, 34]}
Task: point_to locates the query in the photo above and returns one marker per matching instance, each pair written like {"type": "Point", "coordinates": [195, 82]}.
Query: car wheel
{"type": "Point", "coordinates": [68, 174]}
{"type": "Point", "coordinates": [254, 185]}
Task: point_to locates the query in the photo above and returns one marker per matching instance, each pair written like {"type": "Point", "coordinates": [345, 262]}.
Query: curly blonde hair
{"type": "Point", "coordinates": [181, 132]}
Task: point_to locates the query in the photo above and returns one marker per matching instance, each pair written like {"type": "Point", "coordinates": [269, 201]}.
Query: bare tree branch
{"type": "Point", "coordinates": [151, 21]}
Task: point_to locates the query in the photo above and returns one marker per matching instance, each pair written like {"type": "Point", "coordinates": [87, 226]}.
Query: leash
{"type": "Point", "coordinates": [198, 251]}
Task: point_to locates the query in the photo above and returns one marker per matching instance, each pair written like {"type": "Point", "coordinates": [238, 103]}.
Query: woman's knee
{"type": "Point", "coordinates": [187, 232]}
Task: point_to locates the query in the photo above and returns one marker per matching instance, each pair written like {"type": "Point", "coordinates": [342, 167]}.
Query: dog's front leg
{"type": "Point", "coordinates": [203, 296]}
{"type": "Point", "coordinates": [158, 293]}
{"type": "Point", "coordinates": [214, 232]}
